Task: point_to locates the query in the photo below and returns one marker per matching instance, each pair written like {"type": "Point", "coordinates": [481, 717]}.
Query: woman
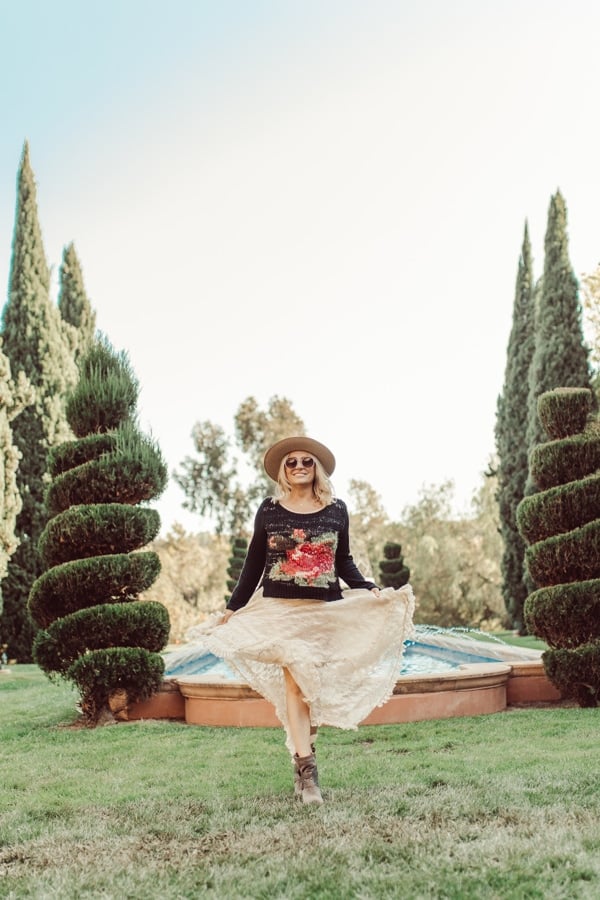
{"type": "Point", "coordinates": [318, 661]}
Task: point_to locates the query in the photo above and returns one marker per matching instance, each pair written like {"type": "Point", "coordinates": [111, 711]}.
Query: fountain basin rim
{"type": "Point", "coordinates": [469, 676]}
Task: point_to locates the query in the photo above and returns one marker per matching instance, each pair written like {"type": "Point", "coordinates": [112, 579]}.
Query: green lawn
{"type": "Point", "coordinates": [500, 806]}
{"type": "Point", "coordinates": [528, 640]}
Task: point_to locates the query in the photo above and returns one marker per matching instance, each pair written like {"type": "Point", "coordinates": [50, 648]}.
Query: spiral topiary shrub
{"type": "Point", "coordinates": [561, 524]}
{"type": "Point", "coordinates": [94, 630]}
{"type": "Point", "coordinates": [392, 571]}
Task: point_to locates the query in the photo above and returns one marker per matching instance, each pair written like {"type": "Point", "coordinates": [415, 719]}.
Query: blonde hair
{"type": "Point", "coordinates": [321, 486]}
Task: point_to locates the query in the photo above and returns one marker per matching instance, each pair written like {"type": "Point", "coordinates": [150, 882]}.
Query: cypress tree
{"type": "Point", "coordinates": [560, 358]}
{"type": "Point", "coordinates": [13, 399]}
{"type": "Point", "coordinates": [91, 630]}
{"type": "Point", "coordinates": [35, 343]}
{"type": "Point", "coordinates": [73, 303]}
{"type": "Point", "coordinates": [511, 436]}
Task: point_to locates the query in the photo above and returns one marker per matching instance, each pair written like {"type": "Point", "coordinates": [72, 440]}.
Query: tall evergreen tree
{"type": "Point", "coordinates": [511, 435]}
{"type": "Point", "coordinates": [560, 358]}
{"type": "Point", "coordinates": [35, 343]}
{"type": "Point", "coordinates": [13, 399]}
{"type": "Point", "coordinates": [73, 303]}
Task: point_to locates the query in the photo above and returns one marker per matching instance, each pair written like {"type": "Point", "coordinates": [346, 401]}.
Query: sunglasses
{"type": "Point", "coordinates": [307, 462]}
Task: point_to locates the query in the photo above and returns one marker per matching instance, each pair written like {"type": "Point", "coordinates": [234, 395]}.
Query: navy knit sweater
{"type": "Point", "coordinates": [298, 555]}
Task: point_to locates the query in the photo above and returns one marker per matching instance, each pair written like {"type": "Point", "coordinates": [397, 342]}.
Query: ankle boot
{"type": "Point", "coordinates": [306, 767]}
{"type": "Point", "coordinates": [297, 778]}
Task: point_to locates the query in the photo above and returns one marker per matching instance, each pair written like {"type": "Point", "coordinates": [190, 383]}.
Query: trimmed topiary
{"type": "Point", "coordinates": [86, 582]}
{"type": "Point", "coordinates": [570, 556]}
{"type": "Point", "coordinates": [132, 473]}
{"type": "Point", "coordinates": [115, 395]}
{"type": "Point", "coordinates": [563, 507]}
{"type": "Point", "coordinates": [99, 528]}
{"type": "Point", "coordinates": [562, 524]}
{"type": "Point", "coordinates": [565, 615]}
{"type": "Point", "coordinates": [392, 571]}
{"type": "Point", "coordinates": [566, 460]}
{"type": "Point", "coordinates": [576, 672]}
{"type": "Point", "coordinates": [134, 624]}
{"type": "Point", "coordinates": [75, 453]}
{"type": "Point", "coordinates": [561, 419]}
{"type": "Point", "coordinates": [96, 633]}
{"type": "Point", "coordinates": [102, 674]}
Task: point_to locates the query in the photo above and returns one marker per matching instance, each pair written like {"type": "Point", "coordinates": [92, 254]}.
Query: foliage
{"type": "Point", "coordinates": [106, 394]}
{"type": "Point", "coordinates": [90, 543]}
{"type": "Point", "coordinates": [455, 562]}
{"type": "Point", "coordinates": [65, 588]}
{"type": "Point", "coordinates": [239, 549]}
{"type": "Point", "coordinates": [561, 419]}
{"type": "Point", "coordinates": [563, 524]}
{"type": "Point", "coordinates": [511, 436]}
{"type": "Point", "coordinates": [499, 806]}
{"type": "Point", "coordinates": [35, 343]}
{"type": "Point", "coordinates": [14, 397]}
{"type": "Point", "coordinates": [392, 571]}
{"type": "Point", "coordinates": [566, 615]}
{"type": "Point", "coordinates": [211, 480]}
{"type": "Point", "coordinates": [104, 672]}
{"type": "Point", "coordinates": [98, 528]}
{"type": "Point", "coordinates": [68, 456]}
{"type": "Point", "coordinates": [370, 526]}
{"type": "Point", "coordinates": [73, 304]}
{"type": "Point", "coordinates": [191, 583]}
{"type": "Point", "coordinates": [135, 471]}
{"type": "Point", "coordinates": [560, 357]}
{"type": "Point", "coordinates": [559, 462]}
{"type": "Point", "coordinates": [560, 508]}
{"type": "Point", "coordinates": [116, 624]}
{"type": "Point", "coordinates": [590, 285]}
{"type": "Point", "coordinates": [568, 556]}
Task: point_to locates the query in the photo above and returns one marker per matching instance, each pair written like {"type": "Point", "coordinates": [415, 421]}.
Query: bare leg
{"type": "Point", "coordinates": [298, 716]}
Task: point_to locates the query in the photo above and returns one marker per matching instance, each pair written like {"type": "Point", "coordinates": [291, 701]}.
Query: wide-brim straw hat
{"type": "Point", "coordinates": [274, 455]}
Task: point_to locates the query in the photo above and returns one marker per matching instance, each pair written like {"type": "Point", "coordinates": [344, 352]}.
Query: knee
{"type": "Point", "coordinates": [291, 686]}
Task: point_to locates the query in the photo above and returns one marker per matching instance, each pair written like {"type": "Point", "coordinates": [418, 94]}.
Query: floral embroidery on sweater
{"type": "Point", "coordinates": [306, 562]}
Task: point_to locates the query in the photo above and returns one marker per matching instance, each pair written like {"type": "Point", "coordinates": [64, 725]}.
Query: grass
{"type": "Point", "coordinates": [500, 806]}
{"type": "Point", "coordinates": [528, 640]}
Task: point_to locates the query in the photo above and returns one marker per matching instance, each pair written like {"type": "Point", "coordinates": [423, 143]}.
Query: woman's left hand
{"type": "Point", "coordinates": [375, 591]}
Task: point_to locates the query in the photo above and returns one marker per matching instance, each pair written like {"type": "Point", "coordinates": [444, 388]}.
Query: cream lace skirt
{"type": "Point", "coordinates": [345, 655]}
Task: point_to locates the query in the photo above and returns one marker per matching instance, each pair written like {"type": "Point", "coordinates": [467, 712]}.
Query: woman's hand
{"type": "Point", "coordinates": [226, 616]}
{"type": "Point", "coordinates": [375, 591]}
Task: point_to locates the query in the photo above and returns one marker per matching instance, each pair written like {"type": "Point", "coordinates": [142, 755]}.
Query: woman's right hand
{"type": "Point", "coordinates": [226, 616]}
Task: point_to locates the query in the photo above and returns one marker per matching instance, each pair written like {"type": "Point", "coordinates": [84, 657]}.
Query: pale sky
{"type": "Point", "coordinates": [323, 200]}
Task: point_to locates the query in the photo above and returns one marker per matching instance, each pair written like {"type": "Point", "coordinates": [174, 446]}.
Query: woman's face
{"type": "Point", "coordinates": [300, 467]}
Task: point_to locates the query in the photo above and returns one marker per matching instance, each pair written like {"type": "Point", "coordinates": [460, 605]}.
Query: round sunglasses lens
{"type": "Point", "coordinates": [306, 462]}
